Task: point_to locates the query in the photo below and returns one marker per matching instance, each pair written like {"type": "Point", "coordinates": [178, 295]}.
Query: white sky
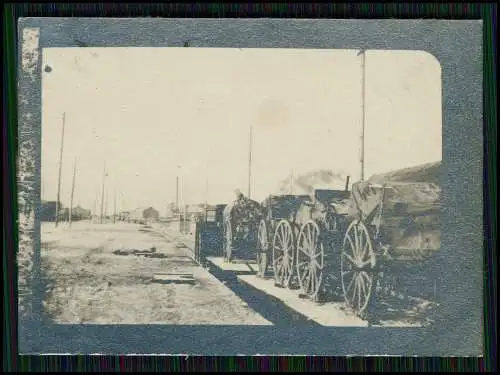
{"type": "Point", "coordinates": [147, 110]}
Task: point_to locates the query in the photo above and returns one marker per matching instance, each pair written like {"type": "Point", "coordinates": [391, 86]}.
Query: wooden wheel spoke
{"type": "Point", "coordinates": [283, 237]}
{"type": "Point", "coordinates": [282, 244]}
{"type": "Point", "coordinates": [358, 282]}
{"type": "Point", "coordinates": [319, 262]}
{"type": "Point", "coordinates": [366, 247]}
{"type": "Point", "coordinates": [314, 241]}
{"type": "Point", "coordinates": [365, 276]}
{"type": "Point", "coordinates": [349, 258]}
{"type": "Point", "coordinates": [355, 288]}
{"type": "Point", "coordinates": [301, 264]}
{"type": "Point", "coordinates": [304, 275]}
{"type": "Point", "coordinates": [353, 247]}
{"type": "Point", "coordinates": [356, 240]}
{"type": "Point", "coordinates": [289, 240]}
{"type": "Point", "coordinates": [348, 289]}
{"type": "Point", "coordinates": [362, 284]}
{"type": "Point", "coordinates": [316, 255]}
{"type": "Point", "coordinates": [278, 260]}
{"type": "Point", "coordinates": [302, 250]}
{"type": "Point", "coordinates": [280, 265]}
{"type": "Point", "coordinates": [317, 275]}
{"type": "Point", "coordinates": [361, 239]}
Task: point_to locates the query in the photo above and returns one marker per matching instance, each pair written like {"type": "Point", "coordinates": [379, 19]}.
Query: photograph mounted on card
{"type": "Point", "coordinates": [250, 192]}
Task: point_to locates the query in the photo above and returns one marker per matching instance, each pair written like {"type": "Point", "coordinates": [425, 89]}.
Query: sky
{"type": "Point", "coordinates": [152, 114]}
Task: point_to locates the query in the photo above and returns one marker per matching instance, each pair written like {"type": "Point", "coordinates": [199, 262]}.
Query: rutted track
{"type": "Point", "coordinates": [91, 284]}
{"type": "Point", "coordinates": [270, 307]}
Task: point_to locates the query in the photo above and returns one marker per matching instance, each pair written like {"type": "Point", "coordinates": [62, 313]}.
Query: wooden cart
{"type": "Point", "coordinates": [300, 235]}
{"type": "Point", "coordinates": [394, 228]}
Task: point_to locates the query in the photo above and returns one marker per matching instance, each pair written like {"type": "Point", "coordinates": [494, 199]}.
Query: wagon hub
{"type": "Point", "coordinates": [364, 266]}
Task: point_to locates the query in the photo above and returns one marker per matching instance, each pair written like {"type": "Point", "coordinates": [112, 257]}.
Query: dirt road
{"type": "Point", "coordinates": [128, 274]}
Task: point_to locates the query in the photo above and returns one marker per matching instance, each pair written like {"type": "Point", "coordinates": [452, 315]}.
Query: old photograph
{"type": "Point", "coordinates": [241, 186]}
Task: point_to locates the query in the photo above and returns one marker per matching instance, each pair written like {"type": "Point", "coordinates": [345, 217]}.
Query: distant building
{"type": "Point", "coordinates": [171, 211]}
{"type": "Point", "coordinates": [48, 210]}
{"type": "Point", "coordinates": [143, 215]}
{"type": "Point", "coordinates": [196, 210]}
{"type": "Point", "coordinates": [151, 214]}
{"type": "Point", "coordinates": [79, 213]}
{"type": "Point", "coordinates": [123, 215]}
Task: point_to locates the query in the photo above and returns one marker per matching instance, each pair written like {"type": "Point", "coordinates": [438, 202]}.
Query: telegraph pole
{"type": "Point", "coordinates": [250, 163]}
{"type": "Point", "coordinates": [177, 208]}
{"type": "Point", "coordinates": [114, 210]}
{"type": "Point", "coordinates": [106, 207]}
{"type": "Point", "coordinates": [363, 95]}
{"type": "Point", "coordinates": [60, 168]}
{"type": "Point", "coordinates": [94, 216]}
{"type": "Point", "coordinates": [177, 193]}
{"type": "Point", "coordinates": [70, 213]}
{"type": "Point", "coordinates": [102, 194]}
{"type": "Point", "coordinates": [206, 196]}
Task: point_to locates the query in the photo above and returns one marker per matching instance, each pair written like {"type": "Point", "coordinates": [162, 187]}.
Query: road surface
{"type": "Point", "coordinates": [93, 276]}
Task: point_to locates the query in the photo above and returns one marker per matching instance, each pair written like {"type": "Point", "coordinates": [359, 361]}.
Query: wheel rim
{"type": "Point", "coordinates": [357, 264]}
{"type": "Point", "coordinates": [310, 259]}
{"type": "Point", "coordinates": [262, 236]}
{"type": "Point", "coordinates": [263, 247]}
{"type": "Point", "coordinates": [228, 240]}
{"type": "Point", "coordinates": [283, 253]}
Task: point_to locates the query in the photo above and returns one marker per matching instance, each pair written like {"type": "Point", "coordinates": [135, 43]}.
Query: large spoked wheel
{"type": "Point", "coordinates": [357, 265]}
{"type": "Point", "coordinates": [228, 241]}
{"type": "Point", "coordinates": [310, 259]}
{"type": "Point", "coordinates": [263, 248]}
{"type": "Point", "coordinates": [283, 253]}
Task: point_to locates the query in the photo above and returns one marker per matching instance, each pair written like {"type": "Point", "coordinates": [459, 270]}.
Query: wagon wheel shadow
{"type": "Point", "coordinates": [398, 286]}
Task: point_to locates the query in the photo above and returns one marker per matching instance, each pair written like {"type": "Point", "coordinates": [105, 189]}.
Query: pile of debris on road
{"type": "Point", "coordinates": [135, 251]}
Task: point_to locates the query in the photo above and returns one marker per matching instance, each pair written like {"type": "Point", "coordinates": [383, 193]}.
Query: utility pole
{"type": "Point", "coordinates": [106, 210]}
{"type": "Point", "coordinates": [250, 163]}
{"type": "Point", "coordinates": [363, 96]}
{"type": "Point", "coordinates": [60, 168]}
{"type": "Point", "coordinates": [177, 208]}
{"type": "Point", "coordinates": [94, 213]}
{"type": "Point", "coordinates": [114, 210]}
{"type": "Point", "coordinates": [206, 196]}
{"type": "Point", "coordinates": [70, 213]}
{"type": "Point", "coordinates": [291, 182]}
{"type": "Point", "coordinates": [102, 194]}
